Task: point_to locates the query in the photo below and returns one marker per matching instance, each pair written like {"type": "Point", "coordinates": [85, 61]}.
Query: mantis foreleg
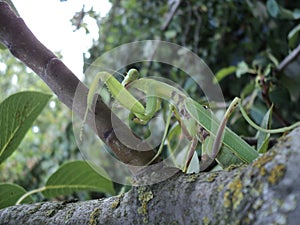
{"type": "Point", "coordinates": [167, 125]}
{"type": "Point", "coordinates": [122, 95]}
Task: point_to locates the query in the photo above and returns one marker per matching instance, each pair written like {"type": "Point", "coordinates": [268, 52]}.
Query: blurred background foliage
{"type": "Point", "coordinates": [242, 41]}
{"type": "Point", "coordinates": [49, 143]}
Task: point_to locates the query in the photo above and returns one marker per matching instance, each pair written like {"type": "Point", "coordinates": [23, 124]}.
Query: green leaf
{"type": "Point", "coordinates": [226, 158]}
{"type": "Point", "coordinates": [279, 12]}
{"type": "Point", "coordinates": [293, 36]}
{"type": "Point", "coordinates": [231, 140]}
{"type": "Point", "coordinates": [76, 176]}
{"type": "Point", "coordinates": [296, 14]}
{"type": "Point", "coordinates": [273, 8]}
{"type": "Point", "coordinates": [170, 34]}
{"type": "Point", "coordinates": [17, 114]}
{"type": "Point", "coordinates": [263, 137]}
{"type": "Point", "coordinates": [242, 68]}
{"type": "Point", "coordinates": [273, 60]}
{"type": "Point", "coordinates": [10, 193]}
{"type": "Point", "coordinates": [224, 72]}
{"type": "Point", "coordinates": [289, 15]}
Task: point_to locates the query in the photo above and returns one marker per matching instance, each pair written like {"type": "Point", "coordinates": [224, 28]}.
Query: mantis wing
{"type": "Point", "coordinates": [231, 140]}
{"type": "Point", "coordinates": [202, 116]}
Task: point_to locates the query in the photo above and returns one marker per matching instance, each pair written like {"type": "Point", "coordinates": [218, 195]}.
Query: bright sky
{"type": "Point", "coordinates": [49, 20]}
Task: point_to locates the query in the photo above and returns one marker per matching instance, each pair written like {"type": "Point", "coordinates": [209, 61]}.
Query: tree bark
{"type": "Point", "coordinates": [265, 192]}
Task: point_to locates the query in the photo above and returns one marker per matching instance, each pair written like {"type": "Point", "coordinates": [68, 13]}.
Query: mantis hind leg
{"type": "Point", "coordinates": [191, 152]}
{"type": "Point", "coordinates": [159, 151]}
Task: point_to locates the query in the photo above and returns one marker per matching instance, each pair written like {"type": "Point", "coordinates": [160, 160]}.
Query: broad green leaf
{"type": "Point", "coordinates": [76, 176]}
{"type": "Point", "coordinates": [263, 137]}
{"type": "Point", "coordinates": [224, 72]}
{"type": "Point", "coordinates": [226, 158]}
{"type": "Point", "coordinates": [242, 68]}
{"type": "Point", "coordinates": [231, 140]}
{"type": "Point", "coordinates": [279, 12]}
{"type": "Point", "coordinates": [290, 15]}
{"type": "Point", "coordinates": [10, 193]}
{"type": "Point", "coordinates": [293, 36]}
{"type": "Point", "coordinates": [296, 14]}
{"type": "Point", "coordinates": [17, 113]}
{"type": "Point", "coordinates": [273, 8]}
{"type": "Point", "coordinates": [273, 60]}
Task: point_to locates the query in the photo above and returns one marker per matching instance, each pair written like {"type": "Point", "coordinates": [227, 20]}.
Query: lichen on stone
{"type": "Point", "coordinates": [116, 203]}
{"type": "Point", "coordinates": [276, 174]}
{"type": "Point", "coordinates": [93, 216]}
{"type": "Point", "coordinates": [144, 196]}
{"type": "Point", "coordinates": [205, 220]}
{"type": "Point", "coordinates": [192, 177]}
{"type": "Point", "coordinates": [233, 195]}
{"type": "Point", "coordinates": [211, 177]}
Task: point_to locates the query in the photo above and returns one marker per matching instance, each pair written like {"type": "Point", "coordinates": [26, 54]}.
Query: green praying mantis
{"type": "Point", "coordinates": [197, 123]}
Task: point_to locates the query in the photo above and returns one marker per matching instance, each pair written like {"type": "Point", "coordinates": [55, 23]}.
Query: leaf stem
{"type": "Point", "coordinates": [30, 193]}
{"type": "Point", "coordinates": [271, 131]}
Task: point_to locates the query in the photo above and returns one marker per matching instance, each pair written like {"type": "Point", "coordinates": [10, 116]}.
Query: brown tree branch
{"type": "Point", "coordinates": [173, 9]}
{"type": "Point", "coordinates": [289, 59]}
{"type": "Point", "coordinates": [16, 36]}
{"type": "Point", "coordinates": [265, 192]}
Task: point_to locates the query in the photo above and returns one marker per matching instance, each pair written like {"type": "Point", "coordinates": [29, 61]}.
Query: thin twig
{"type": "Point", "coordinates": [289, 59]}
{"type": "Point", "coordinates": [171, 14]}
